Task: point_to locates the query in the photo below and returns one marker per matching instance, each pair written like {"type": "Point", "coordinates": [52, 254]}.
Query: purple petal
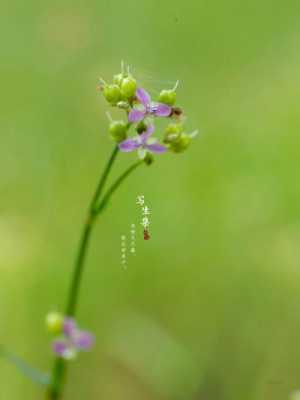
{"type": "Point", "coordinates": [143, 97]}
{"type": "Point", "coordinates": [136, 115]}
{"type": "Point", "coordinates": [60, 346]}
{"type": "Point", "coordinates": [69, 326]}
{"type": "Point", "coordinates": [156, 148]}
{"type": "Point", "coordinates": [128, 145]}
{"type": "Point", "coordinates": [161, 110]}
{"type": "Point", "coordinates": [84, 340]}
{"type": "Point", "coordinates": [145, 135]}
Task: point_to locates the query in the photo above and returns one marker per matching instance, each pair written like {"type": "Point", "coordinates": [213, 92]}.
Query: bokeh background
{"type": "Point", "coordinates": [209, 308]}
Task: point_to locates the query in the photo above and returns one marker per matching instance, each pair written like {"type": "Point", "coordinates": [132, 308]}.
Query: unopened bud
{"type": "Point", "coordinates": [54, 322]}
{"type": "Point", "coordinates": [172, 132]}
{"type": "Point", "coordinates": [112, 93]}
{"type": "Point", "coordinates": [118, 130]}
{"type": "Point", "coordinates": [128, 87]}
{"type": "Point", "coordinates": [180, 144]}
{"type": "Point", "coordinates": [167, 97]}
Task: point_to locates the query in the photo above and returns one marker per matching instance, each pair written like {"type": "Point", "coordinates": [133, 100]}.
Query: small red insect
{"type": "Point", "coordinates": [146, 234]}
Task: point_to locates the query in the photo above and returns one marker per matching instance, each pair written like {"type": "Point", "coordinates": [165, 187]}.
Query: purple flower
{"type": "Point", "coordinates": [72, 340]}
{"type": "Point", "coordinates": [143, 143]}
{"type": "Point", "coordinates": [149, 107]}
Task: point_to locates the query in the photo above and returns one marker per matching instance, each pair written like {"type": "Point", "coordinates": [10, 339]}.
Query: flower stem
{"type": "Point", "coordinates": [78, 269]}
{"type": "Point", "coordinates": [59, 368]}
{"type": "Point", "coordinates": [115, 186]}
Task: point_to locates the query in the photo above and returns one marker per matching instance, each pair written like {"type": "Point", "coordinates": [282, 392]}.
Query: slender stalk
{"type": "Point", "coordinates": [59, 368]}
{"type": "Point", "coordinates": [74, 289]}
{"type": "Point", "coordinates": [115, 186]}
{"type": "Point", "coordinates": [104, 177]}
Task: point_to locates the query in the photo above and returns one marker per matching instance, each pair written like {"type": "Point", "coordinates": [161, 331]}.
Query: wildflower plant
{"type": "Point", "coordinates": [134, 133]}
{"type": "Point", "coordinates": [68, 338]}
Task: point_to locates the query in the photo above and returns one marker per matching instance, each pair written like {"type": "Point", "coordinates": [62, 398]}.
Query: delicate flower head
{"type": "Point", "coordinates": [71, 340]}
{"type": "Point", "coordinates": [143, 143]}
{"type": "Point", "coordinates": [126, 94]}
{"type": "Point", "coordinates": [148, 107]}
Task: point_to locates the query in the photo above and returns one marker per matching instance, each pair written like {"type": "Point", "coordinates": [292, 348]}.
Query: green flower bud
{"type": "Point", "coordinates": [181, 143]}
{"type": "Point", "coordinates": [174, 128]}
{"type": "Point", "coordinates": [118, 130]}
{"type": "Point", "coordinates": [128, 87]}
{"type": "Point", "coordinates": [54, 322]}
{"type": "Point", "coordinates": [167, 97]}
{"type": "Point", "coordinates": [172, 132]}
{"type": "Point", "coordinates": [112, 93]}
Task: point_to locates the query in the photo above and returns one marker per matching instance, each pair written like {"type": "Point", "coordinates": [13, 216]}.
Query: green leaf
{"type": "Point", "coordinates": [33, 374]}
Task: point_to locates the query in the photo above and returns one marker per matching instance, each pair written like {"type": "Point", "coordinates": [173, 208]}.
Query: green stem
{"type": "Point", "coordinates": [103, 178]}
{"type": "Point", "coordinates": [59, 368]}
{"type": "Point", "coordinates": [74, 289]}
{"type": "Point", "coordinates": [115, 186]}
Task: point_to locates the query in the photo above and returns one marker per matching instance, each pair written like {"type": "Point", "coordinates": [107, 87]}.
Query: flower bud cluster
{"type": "Point", "coordinates": [141, 111]}
{"type": "Point", "coordinates": [68, 338]}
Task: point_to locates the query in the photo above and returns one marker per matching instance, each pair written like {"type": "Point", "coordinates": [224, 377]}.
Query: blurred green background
{"type": "Point", "coordinates": [209, 308]}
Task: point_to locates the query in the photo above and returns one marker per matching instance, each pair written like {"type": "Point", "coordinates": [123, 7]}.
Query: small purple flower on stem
{"type": "Point", "coordinates": [143, 143]}
{"type": "Point", "coordinates": [72, 340]}
{"type": "Point", "coordinates": [149, 107]}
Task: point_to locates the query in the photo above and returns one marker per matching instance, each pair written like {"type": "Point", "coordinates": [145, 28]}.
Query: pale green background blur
{"type": "Point", "coordinates": [209, 309]}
